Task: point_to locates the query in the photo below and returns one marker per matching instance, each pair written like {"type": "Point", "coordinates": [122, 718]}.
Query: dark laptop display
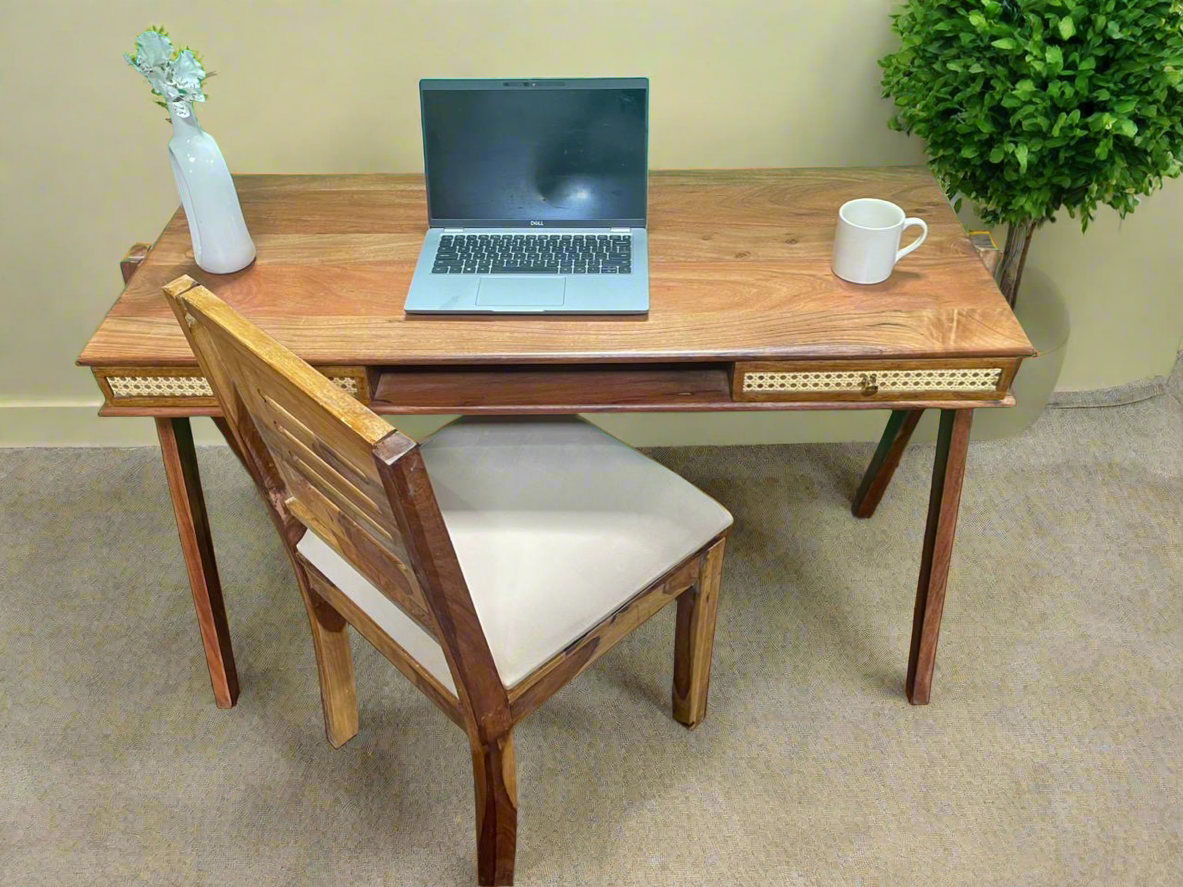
{"type": "Point", "coordinates": [536, 197]}
{"type": "Point", "coordinates": [546, 154]}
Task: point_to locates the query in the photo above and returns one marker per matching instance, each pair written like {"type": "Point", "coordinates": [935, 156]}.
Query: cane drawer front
{"type": "Point", "coordinates": [874, 380]}
{"type": "Point", "coordinates": [187, 387]}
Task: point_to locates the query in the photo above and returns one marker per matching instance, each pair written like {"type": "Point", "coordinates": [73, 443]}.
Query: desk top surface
{"type": "Point", "coordinates": [738, 264]}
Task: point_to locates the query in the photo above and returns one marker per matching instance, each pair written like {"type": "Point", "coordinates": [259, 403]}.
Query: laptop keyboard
{"type": "Point", "coordinates": [534, 254]}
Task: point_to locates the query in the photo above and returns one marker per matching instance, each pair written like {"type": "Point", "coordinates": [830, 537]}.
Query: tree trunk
{"type": "Point", "coordinates": [1014, 258]}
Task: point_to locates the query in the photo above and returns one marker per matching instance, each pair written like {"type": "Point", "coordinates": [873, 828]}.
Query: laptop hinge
{"type": "Point", "coordinates": [452, 230]}
{"type": "Point", "coordinates": [620, 230]}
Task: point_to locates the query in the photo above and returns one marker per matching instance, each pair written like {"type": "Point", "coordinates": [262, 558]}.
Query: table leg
{"type": "Point", "coordinates": [885, 461]}
{"type": "Point", "coordinates": [948, 472]}
{"type": "Point", "coordinates": [184, 485]}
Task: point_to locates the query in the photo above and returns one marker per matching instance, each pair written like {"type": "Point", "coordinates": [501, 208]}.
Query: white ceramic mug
{"type": "Point", "coordinates": [867, 242]}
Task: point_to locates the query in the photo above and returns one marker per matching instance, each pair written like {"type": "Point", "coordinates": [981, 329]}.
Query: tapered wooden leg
{"type": "Point", "coordinates": [184, 485]}
{"type": "Point", "coordinates": [496, 810]}
{"type": "Point", "coordinates": [694, 639]}
{"type": "Point", "coordinates": [887, 458]}
{"type": "Point", "coordinates": [334, 665]}
{"type": "Point", "coordinates": [948, 472]}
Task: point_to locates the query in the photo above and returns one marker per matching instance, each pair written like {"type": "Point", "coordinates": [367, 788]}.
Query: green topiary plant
{"type": "Point", "coordinates": [1028, 107]}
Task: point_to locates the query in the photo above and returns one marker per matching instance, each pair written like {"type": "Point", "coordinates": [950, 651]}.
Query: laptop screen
{"type": "Point", "coordinates": [536, 153]}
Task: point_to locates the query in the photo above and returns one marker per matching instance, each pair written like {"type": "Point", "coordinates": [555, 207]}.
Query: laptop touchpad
{"type": "Point", "coordinates": [524, 292]}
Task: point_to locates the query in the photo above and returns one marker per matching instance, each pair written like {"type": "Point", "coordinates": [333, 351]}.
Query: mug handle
{"type": "Point", "coordinates": [915, 244]}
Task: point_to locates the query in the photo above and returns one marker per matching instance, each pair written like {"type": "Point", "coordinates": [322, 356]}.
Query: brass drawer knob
{"type": "Point", "coordinates": [870, 383]}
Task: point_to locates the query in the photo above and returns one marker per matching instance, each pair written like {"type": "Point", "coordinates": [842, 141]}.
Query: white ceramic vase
{"type": "Point", "coordinates": [221, 243]}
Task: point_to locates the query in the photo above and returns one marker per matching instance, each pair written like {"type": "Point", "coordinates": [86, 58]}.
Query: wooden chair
{"type": "Point", "coordinates": [490, 565]}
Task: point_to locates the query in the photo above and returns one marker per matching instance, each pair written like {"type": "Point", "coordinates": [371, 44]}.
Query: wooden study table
{"type": "Point", "coordinates": [745, 315]}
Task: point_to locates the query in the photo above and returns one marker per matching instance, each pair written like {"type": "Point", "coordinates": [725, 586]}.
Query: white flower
{"type": "Point", "coordinates": [175, 80]}
{"type": "Point", "coordinates": [169, 91]}
{"type": "Point", "coordinates": [153, 50]}
{"type": "Point", "coordinates": [187, 71]}
{"type": "Point", "coordinates": [186, 75]}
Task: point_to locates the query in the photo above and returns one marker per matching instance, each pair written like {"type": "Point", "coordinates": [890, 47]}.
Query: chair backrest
{"type": "Point", "coordinates": [325, 462]}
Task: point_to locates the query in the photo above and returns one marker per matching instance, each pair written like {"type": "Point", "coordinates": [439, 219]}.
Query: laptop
{"type": "Point", "coordinates": [536, 197]}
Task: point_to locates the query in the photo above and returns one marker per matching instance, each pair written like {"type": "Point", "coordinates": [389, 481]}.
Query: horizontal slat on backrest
{"type": "Point", "coordinates": [371, 556]}
{"type": "Point", "coordinates": [321, 441]}
{"type": "Point", "coordinates": [366, 482]}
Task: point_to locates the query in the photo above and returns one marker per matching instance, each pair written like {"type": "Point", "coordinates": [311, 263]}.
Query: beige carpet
{"type": "Point", "coordinates": [1052, 753]}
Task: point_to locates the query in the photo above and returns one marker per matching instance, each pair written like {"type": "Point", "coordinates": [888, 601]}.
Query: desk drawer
{"type": "Point", "coordinates": [187, 387]}
{"type": "Point", "coordinates": [871, 380]}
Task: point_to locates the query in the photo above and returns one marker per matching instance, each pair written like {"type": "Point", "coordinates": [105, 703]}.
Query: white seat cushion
{"type": "Point", "coordinates": [556, 524]}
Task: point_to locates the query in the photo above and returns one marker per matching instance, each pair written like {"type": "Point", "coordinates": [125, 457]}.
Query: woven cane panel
{"type": "Point", "coordinates": [159, 386]}
{"type": "Point", "coordinates": [975, 379]}
{"type": "Point", "coordinates": [189, 386]}
{"type": "Point", "coordinates": [348, 384]}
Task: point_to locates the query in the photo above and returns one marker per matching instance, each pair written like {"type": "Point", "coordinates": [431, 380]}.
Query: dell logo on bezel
{"type": "Point", "coordinates": [535, 224]}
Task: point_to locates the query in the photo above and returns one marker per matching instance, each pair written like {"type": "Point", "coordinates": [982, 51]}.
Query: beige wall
{"type": "Point", "coordinates": [331, 87]}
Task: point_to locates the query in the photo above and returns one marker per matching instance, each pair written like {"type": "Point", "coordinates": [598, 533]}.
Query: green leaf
{"type": "Point", "coordinates": [997, 154]}
{"type": "Point", "coordinates": [1004, 43]}
{"type": "Point", "coordinates": [1055, 56]}
{"type": "Point", "coordinates": [1127, 127]}
{"type": "Point", "coordinates": [1067, 27]}
{"type": "Point", "coordinates": [1021, 156]}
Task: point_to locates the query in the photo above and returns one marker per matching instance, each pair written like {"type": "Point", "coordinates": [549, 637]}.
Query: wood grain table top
{"type": "Point", "coordinates": [738, 263]}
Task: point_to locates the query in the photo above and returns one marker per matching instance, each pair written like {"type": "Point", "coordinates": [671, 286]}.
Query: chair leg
{"type": "Point", "coordinates": [694, 640]}
{"type": "Point", "coordinates": [496, 810]}
{"type": "Point", "coordinates": [334, 665]}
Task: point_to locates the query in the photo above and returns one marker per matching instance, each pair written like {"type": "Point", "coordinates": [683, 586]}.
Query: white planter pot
{"type": "Point", "coordinates": [221, 242]}
{"type": "Point", "coordinates": [1042, 311]}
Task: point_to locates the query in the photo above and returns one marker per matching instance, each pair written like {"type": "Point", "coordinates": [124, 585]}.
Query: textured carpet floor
{"type": "Point", "coordinates": [1052, 753]}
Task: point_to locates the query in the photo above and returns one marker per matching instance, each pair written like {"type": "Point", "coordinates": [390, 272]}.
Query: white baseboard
{"type": "Point", "coordinates": [1134, 392]}
{"type": "Point", "coordinates": [77, 424]}
{"type": "Point", "coordinates": [1120, 395]}
{"type": "Point", "coordinates": [63, 423]}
